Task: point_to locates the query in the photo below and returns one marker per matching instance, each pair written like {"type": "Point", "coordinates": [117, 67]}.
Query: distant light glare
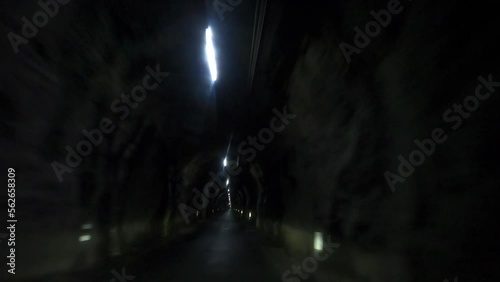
{"type": "Point", "coordinates": [84, 238]}
{"type": "Point", "coordinates": [224, 162]}
{"type": "Point", "coordinates": [210, 51]}
{"type": "Point", "coordinates": [318, 241]}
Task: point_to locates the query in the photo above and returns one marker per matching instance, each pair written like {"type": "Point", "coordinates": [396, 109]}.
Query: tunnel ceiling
{"type": "Point", "coordinates": [119, 40]}
{"type": "Point", "coordinates": [90, 54]}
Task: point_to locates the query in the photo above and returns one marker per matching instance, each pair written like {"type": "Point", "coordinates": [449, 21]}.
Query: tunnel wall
{"type": "Point", "coordinates": [353, 122]}
{"type": "Point", "coordinates": [125, 194]}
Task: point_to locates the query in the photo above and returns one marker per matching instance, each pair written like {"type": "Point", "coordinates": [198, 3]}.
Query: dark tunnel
{"type": "Point", "coordinates": [238, 140]}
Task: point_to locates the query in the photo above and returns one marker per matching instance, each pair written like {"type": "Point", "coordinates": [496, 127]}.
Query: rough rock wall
{"type": "Point", "coordinates": [354, 121]}
{"type": "Point", "coordinates": [65, 80]}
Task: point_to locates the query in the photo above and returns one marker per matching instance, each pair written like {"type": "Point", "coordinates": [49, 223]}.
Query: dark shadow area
{"type": "Point", "coordinates": [237, 140]}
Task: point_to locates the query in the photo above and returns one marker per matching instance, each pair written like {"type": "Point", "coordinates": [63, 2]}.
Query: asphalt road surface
{"type": "Point", "coordinates": [224, 251]}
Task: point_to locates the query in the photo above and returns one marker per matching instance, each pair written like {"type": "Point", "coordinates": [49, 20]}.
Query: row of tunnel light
{"type": "Point", "coordinates": [212, 64]}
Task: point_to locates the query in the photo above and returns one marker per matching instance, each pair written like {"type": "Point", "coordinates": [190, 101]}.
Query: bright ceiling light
{"type": "Point", "coordinates": [210, 51]}
{"type": "Point", "coordinates": [224, 162]}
